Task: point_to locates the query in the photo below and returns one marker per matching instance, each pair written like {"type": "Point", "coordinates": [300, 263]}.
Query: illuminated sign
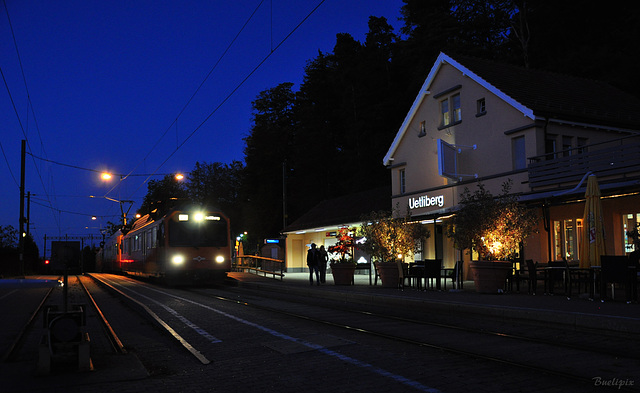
{"type": "Point", "coordinates": [272, 241]}
{"type": "Point", "coordinates": [426, 201]}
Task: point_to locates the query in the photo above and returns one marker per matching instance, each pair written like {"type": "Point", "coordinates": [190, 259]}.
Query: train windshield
{"type": "Point", "coordinates": [198, 233]}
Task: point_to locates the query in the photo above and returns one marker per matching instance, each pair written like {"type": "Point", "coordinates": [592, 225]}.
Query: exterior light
{"type": "Point", "coordinates": [179, 176]}
{"type": "Point", "coordinates": [219, 259]}
{"type": "Point", "coordinates": [105, 176]}
{"type": "Point", "coordinates": [94, 218]}
{"type": "Point", "coordinates": [198, 217]}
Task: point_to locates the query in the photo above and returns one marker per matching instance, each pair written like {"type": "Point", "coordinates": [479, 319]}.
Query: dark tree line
{"type": "Point", "coordinates": [329, 138]}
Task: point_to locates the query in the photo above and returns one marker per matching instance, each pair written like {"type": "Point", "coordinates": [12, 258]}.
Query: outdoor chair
{"type": "Point", "coordinates": [432, 271]}
{"type": "Point", "coordinates": [557, 271]}
{"type": "Point", "coordinates": [530, 275]}
{"type": "Point", "coordinates": [614, 269]}
{"type": "Point", "coordinates": [454, 274]}
{"type": "Point", "coordinates": [403, 274]}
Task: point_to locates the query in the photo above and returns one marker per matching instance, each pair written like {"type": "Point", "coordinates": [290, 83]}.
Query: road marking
{"type": "Point", "coordinates": [399, 378]}
{"type": "Point", "coordinates": [173, 312]}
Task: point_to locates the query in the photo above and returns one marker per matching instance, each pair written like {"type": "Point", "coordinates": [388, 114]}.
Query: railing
{"type": "Point", "coordinates": [613, 159]}
{"type": "Point", "coordinates": [259, 264]}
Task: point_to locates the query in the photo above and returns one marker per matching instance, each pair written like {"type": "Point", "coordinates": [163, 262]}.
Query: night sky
{"type": "Point", "coordinates": [109, 86]}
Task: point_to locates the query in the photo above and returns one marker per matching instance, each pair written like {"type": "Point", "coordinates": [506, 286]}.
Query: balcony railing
{"type": "Point", "coordinates": [613, 159]}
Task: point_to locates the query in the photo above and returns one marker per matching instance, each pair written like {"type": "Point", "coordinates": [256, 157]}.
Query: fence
{"type": "Point", "coordinates": [259, 264]}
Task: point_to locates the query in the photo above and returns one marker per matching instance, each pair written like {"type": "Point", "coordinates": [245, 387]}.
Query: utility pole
{"type": "Point", "coordinates": [21, 235]}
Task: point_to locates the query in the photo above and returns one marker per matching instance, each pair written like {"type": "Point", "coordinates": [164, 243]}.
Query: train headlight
{"type": "Point", "coordinates": [177, 260]}
{"type": "Point", "coordinates": [219, 259]}
{"type": "Point", "coordinates": [198, 217]}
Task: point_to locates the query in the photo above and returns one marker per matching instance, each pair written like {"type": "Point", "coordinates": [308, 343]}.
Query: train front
{"type": "Point", "coordinates": [198, 247]}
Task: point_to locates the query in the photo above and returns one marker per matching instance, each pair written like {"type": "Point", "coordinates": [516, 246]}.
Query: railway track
{"type": "Point", "coordinates": [500, 346]}
{"type": "Point", "coordinates": [580, 360]}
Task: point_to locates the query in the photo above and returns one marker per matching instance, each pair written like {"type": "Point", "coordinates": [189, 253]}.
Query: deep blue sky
{"type": "Point", "coordinates": [106, 80]}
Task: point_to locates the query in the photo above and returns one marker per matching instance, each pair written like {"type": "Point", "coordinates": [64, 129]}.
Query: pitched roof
{"type": "Point", "coordinates": [343, 210]}
{"type": "Point", "coordinates": [560, 96]}
{"type": "Point", "coordinates": [538, 94]}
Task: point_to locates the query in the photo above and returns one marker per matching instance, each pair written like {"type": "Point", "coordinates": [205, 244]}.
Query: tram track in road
{"type": "Point", "coordinates": [555, 350]}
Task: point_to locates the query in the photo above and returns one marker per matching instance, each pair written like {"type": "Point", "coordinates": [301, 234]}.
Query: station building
{"type": "Point", "coordinates": [476, 121]}
{"type": "Point", "coordinates": [480, 121]}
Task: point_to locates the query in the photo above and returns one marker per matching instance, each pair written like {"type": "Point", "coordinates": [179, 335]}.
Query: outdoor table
{"type": "Point", "coordinates": [549, 277]}
{"type": "Point", "coordinates": [594, 272]}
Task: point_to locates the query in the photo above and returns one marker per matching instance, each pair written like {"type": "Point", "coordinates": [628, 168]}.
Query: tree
{"type": "Point", "coordinates": [386, 236]}
{"type": "Point", "coordinates": [217, 186]}
{"type": "Point", "coordinates": [8, 237]}
{"type": "Point", "coordinates": [162, 195]}
{"type": "Point", "coordinates": [268, 148]}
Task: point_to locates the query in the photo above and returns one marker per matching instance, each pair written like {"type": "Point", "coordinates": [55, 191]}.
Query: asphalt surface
{"type": "Point", "coordinates": [18, 302]}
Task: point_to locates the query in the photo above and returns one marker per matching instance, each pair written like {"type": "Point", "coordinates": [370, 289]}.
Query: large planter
{"type": "Point", "coordinates": [490, 276]}
{"type": "Point", "coordinates": [343, 273]}
{"type": "Point", "coordinates": [388, 272]}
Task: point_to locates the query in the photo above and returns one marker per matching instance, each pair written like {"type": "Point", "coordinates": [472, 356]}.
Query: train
{"type": "Point", "coordinates": [182, 247]}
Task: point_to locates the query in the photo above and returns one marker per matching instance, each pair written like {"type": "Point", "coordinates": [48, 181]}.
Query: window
{"type": "Point", "coordinates": [450, 106]}
{"type": "Point", "coordinates": [582, 143]}
{"type": "Point", "coordinates": [423, 129]}
{"type": "Point", "coordinates": [629, 223]}
{"type": "Point", "coordinates": [550, 146]}
{"type": "Point", "coordinates": [567, 235]}
{"type": "Point", "coordinates": [402, 176]}
{"type": "Point", "coordinates": [457, 112]}
{"type": "Point", "coordinates": [567, 144]}
{"type": "Point", "coordinates": [518, 153]}
{"type": "Point", "coordinates": [481, 108]}
{"type": "Point", "coordinates": [444, 107]}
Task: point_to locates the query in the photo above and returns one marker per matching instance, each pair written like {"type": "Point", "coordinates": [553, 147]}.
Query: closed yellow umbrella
{"type": "Point", "coordinates": [592, 245]}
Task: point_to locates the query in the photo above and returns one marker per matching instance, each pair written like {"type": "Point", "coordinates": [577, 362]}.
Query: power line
{"type": "Point", "coordinates": [24, 79]}
{"type": "Point", "coordinates": [175, 121]}
{"type": "Point", "coordinates": [240, 84]}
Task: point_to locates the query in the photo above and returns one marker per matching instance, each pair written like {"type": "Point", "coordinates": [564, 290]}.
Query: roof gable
{"type": "Point", "coordinates": [536, 94]}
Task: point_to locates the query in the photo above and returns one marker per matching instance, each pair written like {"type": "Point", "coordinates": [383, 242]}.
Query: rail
{"type": "Point", "coordinates": [259, 264]}
{"type": "Point", "coordinates": [613, 159]}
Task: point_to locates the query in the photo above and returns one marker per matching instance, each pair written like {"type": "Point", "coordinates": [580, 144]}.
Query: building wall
{"type": "Point", "coordinates": [492, 160]}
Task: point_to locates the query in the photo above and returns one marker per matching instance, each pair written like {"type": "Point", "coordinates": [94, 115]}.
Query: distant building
{"type": "Point", "coordinates": [476, 120]}
{"type": "Point", "coordinates": [320, 224]}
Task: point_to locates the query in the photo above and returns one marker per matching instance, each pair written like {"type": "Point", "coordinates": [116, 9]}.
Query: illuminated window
{"type": "Point", "coordinates": [444, 108]}
{"type": "Point", "coordinates": [451, 112]}
{"type": "Point", "coordinates": [402, 181]}
{"type": "Point", "coordinates": [629, 222]}
{"type": "Point", "coordinates": [567, 236]}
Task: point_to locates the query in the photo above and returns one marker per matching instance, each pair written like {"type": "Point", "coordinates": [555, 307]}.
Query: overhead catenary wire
{"type": "Point", "coordinates": [30, 105]}
{"type": "Point", "coordinates": [228, 96]}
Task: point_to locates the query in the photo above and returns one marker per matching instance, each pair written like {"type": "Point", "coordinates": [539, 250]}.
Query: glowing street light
{"type": "Point", "coordinates": [179, 176]}
{"type": "Point", "coordinates": [106, 176]}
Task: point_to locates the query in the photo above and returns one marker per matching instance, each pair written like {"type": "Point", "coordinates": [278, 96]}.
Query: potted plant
{"type": "Point", "coordinates": [495, 228]}
{"type": "Point", "coordinates": [387, 239]}
{"type": "Point", "coordinates": [342, 264]}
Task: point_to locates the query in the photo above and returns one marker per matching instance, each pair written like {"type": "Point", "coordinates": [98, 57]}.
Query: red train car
{"type": "Point", "coordinates": [186, 246]}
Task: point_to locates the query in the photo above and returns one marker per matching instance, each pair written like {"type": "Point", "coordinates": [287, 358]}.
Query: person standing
{"type": "Point", "coordinates": [313, 263]}
{"type": "Point", "coordinates": [324, 258]}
